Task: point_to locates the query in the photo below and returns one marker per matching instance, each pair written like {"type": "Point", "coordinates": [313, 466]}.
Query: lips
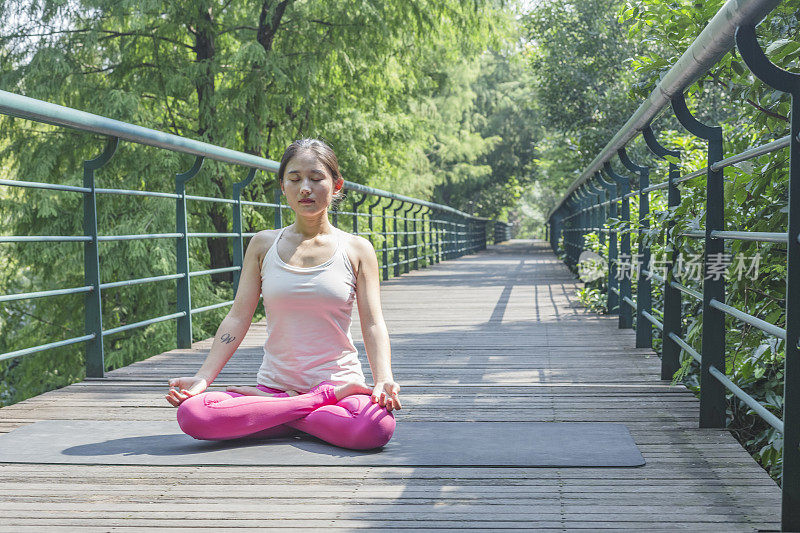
{"type": "Point", "coordinates": [306, 201]}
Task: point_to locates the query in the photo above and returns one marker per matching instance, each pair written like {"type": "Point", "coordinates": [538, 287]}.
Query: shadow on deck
{"type": "Point", "coordinates": [494, 336]}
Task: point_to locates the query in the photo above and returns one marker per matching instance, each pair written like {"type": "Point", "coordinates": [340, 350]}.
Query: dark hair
{"type": "Point", "coordinates": [324, 153]}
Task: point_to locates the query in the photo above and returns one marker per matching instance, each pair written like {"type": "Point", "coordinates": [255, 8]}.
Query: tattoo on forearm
{"type": "Point", "coordinates": [226, 338]}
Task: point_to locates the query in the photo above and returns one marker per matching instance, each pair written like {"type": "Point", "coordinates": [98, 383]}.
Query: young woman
{"type": "Point", "coordinates": [310, 380]}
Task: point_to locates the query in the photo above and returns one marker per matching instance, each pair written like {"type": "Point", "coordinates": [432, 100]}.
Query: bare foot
{"type": "Point", "coordinates": [348, 389]}
{"type": "Point", "coordinates": [254, 391]}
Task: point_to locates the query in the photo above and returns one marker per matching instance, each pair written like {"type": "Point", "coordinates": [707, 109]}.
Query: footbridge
{"type": "Point", "coordinates": [485, 328]}
{"type": "Point", "coordinates": [494, 335]}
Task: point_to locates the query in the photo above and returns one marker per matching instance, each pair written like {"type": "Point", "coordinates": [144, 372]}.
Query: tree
{"type": "Point", "coordinates": [251, 76]}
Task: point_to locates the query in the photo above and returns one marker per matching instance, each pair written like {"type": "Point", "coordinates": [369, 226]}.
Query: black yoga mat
{"type": "Point", "coordinates": [563, 444]}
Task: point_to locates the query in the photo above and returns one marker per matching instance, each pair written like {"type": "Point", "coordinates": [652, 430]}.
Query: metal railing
{"type": "Point", "coordinates": [502, 231]}
{"type": "Point", "coordinates": [414, 232]}
{"type": "Point", "coordinates": [582, 210]}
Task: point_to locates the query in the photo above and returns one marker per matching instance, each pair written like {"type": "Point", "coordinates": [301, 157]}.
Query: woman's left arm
{"type": "Point", "coordinates": [373, 327]}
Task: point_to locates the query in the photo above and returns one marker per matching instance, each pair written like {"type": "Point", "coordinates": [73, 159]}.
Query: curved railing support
{"type": "Point", "coordinates": [623, 188]}
{"type": "Point", "coordinates": [238, 241]}
{"type": "Point", "coordinates": [184, 293]}
{"type": "Point", "coordinates": [93, 308]}
{"type": "Point", "coordinates": [613, 244]}
{"type": "Point", "coordinates": [670, 350]}
{"type": "Point", "coordinates": [644, 329]}
{"type": "Point", "coordinates": [712, 399]}
{"type": "Point", "coordinates": [787, 82]}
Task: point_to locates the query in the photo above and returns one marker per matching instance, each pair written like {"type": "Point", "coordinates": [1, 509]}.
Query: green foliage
{"type": "Point", "coordinates": [750, 114]}
{"type": "Point", "coordinates": [585, 97]}
{"type": "Point", "coordinates": [405, 92]}
{"type": "Point", "coordinates": [576, 52]}
{"type": "Point", "coordinates": [594, 299]}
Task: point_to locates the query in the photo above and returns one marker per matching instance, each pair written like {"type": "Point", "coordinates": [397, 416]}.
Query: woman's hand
{"type": "Point", "coordinates": [184, 388]}
{"type": "Point", "coordinates": [385, 394]}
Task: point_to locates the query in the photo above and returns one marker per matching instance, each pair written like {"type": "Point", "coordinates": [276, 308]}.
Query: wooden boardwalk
{"type": "Point", "coordinates": [494, 336]}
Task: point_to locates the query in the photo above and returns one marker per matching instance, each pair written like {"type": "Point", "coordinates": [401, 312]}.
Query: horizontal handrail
{"type": "Point", "coordinates": [749, 319]}
{"type": "Point", "coordinates": [141, 323]}
{"type": "Point", "coordinates": [691, 292]}
{"type": "Point", "coordinates": [751, 153]}
{"type": "Point", "coordinates": [43, 294]}
{"type": "Point", "coordinates": [48, 346]}
{"type": "Point", "coordinates": [580, 212]}
{"type": "Point", "coordinates": [707, 49]}
{"type": "Point", "coordinates": [138, 281]}
{"type": "Point", "coordinates": [653, 320]}
{"type": "Point", "coordinates": [40, 111]}
{"type": "Point", "coordinates": [751, 402]}
{"type": "Point", "coordinates": [683, 344]}
{"type": "Point", "coordinates": [450, 232]}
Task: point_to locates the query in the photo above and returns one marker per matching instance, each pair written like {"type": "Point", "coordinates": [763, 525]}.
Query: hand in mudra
{"type": "Point", "coordinates": [181, 389]}
{"type": "Point", "coordinates": [386, 393]}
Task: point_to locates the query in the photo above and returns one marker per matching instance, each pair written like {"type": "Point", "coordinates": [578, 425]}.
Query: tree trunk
{"type": "Point", "coordinates": [205, 49]}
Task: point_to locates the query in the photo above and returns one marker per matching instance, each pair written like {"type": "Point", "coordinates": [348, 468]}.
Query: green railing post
{"type": "Point", "coordinates": [590, 202]}
{"type": "Point", "coordinates": [442, 228]}
{"type": "Point", "coordinates": [644, 329]}
{"type": "Point", "coordinates": [452, 224]}
{"type": "Point", "coordinates": [613, 282]}
{"type": "Point", "coordinates": [372, 227]}
{"type": "Point", "coordinates": [580, 221]}
{"type": "Point", "coordinates": [416, 238]}
{"type": "Point", "coordinates": [356, 204]}
{"type": "Point", "coordinates": [787, 82]}
{"type": "Point", "coordinates": [386, 240]}
{"type": "Point", "coordinates": [184, 293]}
{"type": "Point", "coordinates": [278, 218]}
{"type": "Point", "coordinates": [594, 201]}
{"type": "Point", "coordinates": [712, 392]}
{"type": "Point", "coordinates": [457, 236]}
{"type": "Point", "coordinates": [569, 233]}
{"type": "Point", "coordinates": [626, 283]}
{"type": "Point", "coordinates": [238, 241]}
{"type": "Point", "coordinates": [406, 248]}
{"type": "Point", "coordinates": [93, 306]}
{"type": "Point", "coordinates": [623, 188]}
{"type": "Point", "coordinates": [603, 212]}
{"type": "Point", "coordinates": [426, 234]}
{"type": "Point", "coordinates": [670, 350]}
{"type": "Point", "coordinates": [440, 237]}
{"type": "Point", "coordinates": [397, 245]}
{"type": "Point", "coordinates": [557, 228]}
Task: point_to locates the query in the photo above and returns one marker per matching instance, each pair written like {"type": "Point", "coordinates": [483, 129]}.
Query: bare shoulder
{"type": "Point", "coordinates": [263, 241]}
{"type": "Point", "coordinates": [358, 250]}
{"type": "Point", "coordinates": [362, 246]}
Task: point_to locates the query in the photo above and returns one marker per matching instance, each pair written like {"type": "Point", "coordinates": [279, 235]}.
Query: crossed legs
{"type": "Point", "coordinates": [352, 422]}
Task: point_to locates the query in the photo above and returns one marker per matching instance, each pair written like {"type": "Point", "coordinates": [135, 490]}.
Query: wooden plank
{"type": "Point", "coordinates": [516, 347]}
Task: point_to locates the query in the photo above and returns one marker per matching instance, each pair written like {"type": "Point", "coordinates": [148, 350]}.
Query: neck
{"type": "Point", "coordinates": [310, 227]}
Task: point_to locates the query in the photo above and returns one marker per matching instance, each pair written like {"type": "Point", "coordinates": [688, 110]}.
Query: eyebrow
{"type": "Point", "coordinates": [316, 171]}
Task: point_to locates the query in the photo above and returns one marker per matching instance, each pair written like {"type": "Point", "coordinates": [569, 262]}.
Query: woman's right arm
{"type": "Point", "coordinates": [233, 327]}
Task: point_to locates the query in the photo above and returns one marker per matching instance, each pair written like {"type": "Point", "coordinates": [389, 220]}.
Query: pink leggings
{"type": "Point", "coordinates": [352, 422]}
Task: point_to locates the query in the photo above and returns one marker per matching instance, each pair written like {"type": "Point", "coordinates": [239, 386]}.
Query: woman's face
{"type": "Point", "coordinates": [307, 184]}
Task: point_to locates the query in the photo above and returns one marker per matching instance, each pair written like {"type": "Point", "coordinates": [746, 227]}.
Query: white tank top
{"type": "Point", "coordinates": [308, 321]}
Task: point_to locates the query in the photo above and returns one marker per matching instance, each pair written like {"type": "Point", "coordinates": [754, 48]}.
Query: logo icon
{"type": "Point", "coordinates": [591, 266]}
